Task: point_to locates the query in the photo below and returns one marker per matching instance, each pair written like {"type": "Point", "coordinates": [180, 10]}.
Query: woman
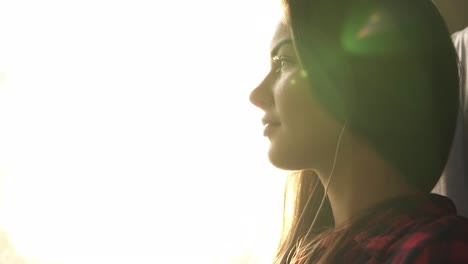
{"type": "Point", "coordinates": [361, 100]}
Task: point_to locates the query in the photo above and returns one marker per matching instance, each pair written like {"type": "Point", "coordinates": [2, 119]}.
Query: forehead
{"type": "Point", "coordinates": [282, 35]}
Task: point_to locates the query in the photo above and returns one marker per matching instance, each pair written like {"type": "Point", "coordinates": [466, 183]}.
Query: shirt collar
{"type": "Point", "coordinates": [389, 217]}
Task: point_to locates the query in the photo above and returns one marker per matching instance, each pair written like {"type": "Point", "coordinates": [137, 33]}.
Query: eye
{"type": "Point", "coordinates": [282, 63]}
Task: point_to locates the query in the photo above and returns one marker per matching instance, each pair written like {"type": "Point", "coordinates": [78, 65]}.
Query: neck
{"type": "Point", "coordinates": [361, 179]}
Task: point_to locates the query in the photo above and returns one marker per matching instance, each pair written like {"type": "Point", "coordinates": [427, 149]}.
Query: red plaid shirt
{"type": "Point", "coordinates": [408, 230]}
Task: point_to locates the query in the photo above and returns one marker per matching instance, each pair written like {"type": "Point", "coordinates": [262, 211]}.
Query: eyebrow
{"type": "Point", "coordinates": [274, 51]}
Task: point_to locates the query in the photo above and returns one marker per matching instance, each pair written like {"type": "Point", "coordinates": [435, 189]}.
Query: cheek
{"type": "Point", "coordinates": [296, 106]}
{"type": "Point", "coordinates": [308, 133]}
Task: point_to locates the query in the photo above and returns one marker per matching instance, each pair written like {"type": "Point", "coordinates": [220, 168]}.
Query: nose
{"type": "Point", "coordinates": [262, 95]}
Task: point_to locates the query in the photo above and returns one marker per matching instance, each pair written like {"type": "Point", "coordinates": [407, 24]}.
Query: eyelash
{"type": "Point", "coordinates": [281, 61]}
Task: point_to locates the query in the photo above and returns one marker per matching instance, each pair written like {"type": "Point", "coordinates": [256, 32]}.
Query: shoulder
{"type": "Point", "coordinates": [443, 240]}
{"type": "Point", "coordinates": [460, 37]}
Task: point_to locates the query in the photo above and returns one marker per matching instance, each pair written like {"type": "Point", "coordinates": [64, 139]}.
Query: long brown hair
{"type": "Point", "coordinates": [388, 69]}
{"type": "Point", "coordinates": [302, 197]}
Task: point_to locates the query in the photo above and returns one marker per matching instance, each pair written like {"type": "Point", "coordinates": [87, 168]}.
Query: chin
{"type": "Point", "coordinates": [285, 161]}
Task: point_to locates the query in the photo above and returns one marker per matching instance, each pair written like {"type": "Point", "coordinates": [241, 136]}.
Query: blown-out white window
{"type": "Point", "coordinates": [127, 136]}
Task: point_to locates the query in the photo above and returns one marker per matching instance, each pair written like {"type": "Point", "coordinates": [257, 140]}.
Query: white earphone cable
{"type": "Point", "coordinates": [324, 194]}
{"type": "Point", "coordinates": [328, 181]}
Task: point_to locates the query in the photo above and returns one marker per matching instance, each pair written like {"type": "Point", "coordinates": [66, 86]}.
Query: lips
{"type": "Point", "coordinates": [270, 121]}
{"type": "Point", "coordinates": [270, 126]}
{"type": "Point", "coordinates": [269, 129]}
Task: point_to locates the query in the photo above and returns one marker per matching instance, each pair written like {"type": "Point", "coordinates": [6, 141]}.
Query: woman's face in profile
{"type": "Point", "coordinates": [301, 135]}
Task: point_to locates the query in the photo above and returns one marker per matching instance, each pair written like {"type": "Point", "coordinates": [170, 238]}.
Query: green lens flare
{"type": "Point", "coordinates": [371, 32]}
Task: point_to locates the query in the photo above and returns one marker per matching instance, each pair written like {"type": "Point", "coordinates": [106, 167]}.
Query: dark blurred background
{"type": "Point", "coordinates": [455, 13]}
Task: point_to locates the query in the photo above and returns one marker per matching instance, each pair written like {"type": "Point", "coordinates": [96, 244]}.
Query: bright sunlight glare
{"type": "Point", "coordinates": [126, 134]}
